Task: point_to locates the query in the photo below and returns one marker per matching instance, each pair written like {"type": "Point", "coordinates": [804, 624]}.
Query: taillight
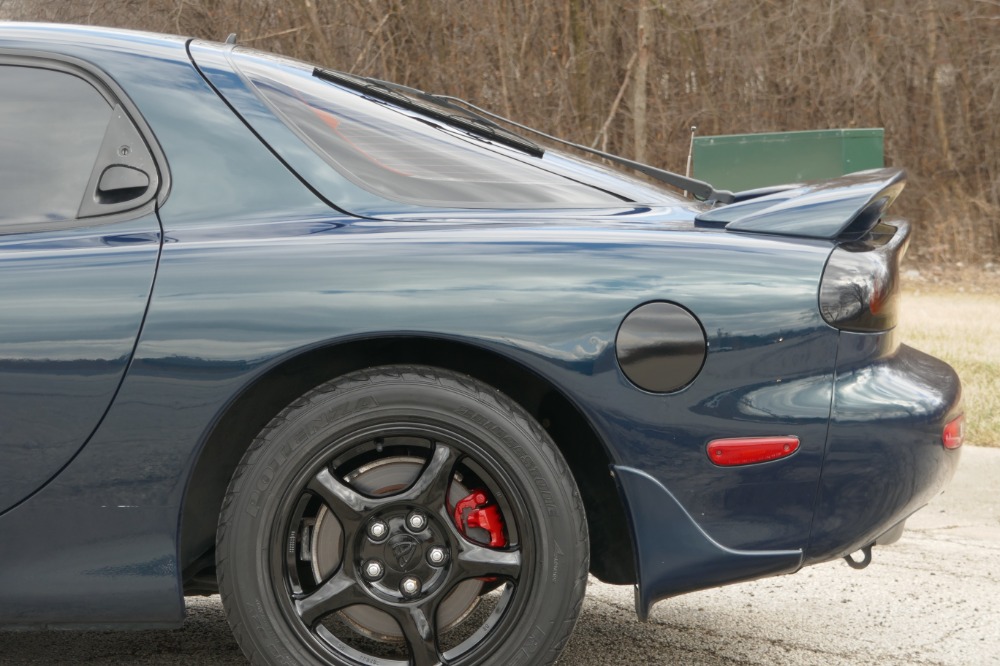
{"type": "Point", "coordinates": [860, 286]}
{"type": "Point", "coordinates": [954, 433]}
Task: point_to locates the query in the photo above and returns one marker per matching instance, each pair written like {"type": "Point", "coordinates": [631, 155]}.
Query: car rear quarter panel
{"type": "Point", "coordinates": [548, 297]}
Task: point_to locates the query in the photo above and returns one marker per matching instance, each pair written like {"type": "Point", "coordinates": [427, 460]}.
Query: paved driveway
{"type": "Point", "coordinates": [932, 598]}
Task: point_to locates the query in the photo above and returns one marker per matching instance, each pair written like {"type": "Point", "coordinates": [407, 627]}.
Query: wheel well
{"type": "Point", "coordinates": [611, 556]}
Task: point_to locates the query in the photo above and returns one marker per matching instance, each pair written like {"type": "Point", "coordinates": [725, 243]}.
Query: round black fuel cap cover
{"type": "Point", "coordinates": [661, 347]}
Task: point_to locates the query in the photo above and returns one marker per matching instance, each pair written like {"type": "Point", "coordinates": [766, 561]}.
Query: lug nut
{"type": "Point", "coordinates": [410, 586]}
{"type": "Point", "coordinates": [377, 530]}
{"type": "Point", "coordinates": [416, 521]}
{"type": "Point", "coordinates": [436, 556]}
{"type": "Point", "coordinates": [373, 570]}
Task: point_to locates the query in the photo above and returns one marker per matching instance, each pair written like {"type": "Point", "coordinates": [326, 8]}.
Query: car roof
{"type": "Point", "coordinates": [72, 39]}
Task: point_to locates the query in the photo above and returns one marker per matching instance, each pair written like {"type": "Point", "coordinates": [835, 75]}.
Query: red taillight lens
{"type": "Point", "coordinates": [749, 450]}
{"type": "Point", "coordinates": [954, 433]}
{"type": "Point", "coordinates": [860, 289]}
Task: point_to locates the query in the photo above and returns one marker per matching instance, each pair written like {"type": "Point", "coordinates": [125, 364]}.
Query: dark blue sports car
{"type": "Point", "coordinates": [393, 377]}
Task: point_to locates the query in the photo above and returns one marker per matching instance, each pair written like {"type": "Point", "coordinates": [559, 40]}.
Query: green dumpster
{"type": "Point", "coordinates": [746, 161]}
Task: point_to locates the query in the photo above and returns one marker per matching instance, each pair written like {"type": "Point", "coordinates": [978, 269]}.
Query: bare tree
{"type": "Point", "coordinates": [643, 39]}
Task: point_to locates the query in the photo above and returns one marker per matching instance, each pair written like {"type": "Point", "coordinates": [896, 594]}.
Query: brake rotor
{"type": "Point", "coordinates": [384, 477]}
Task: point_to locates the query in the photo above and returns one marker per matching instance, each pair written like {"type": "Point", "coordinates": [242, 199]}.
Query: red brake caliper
{"type": "Point", "coordinates": [481, 514]}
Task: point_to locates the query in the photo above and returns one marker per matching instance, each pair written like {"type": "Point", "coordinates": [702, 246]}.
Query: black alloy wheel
{"type": "Point", "coordinates": [402, 515]}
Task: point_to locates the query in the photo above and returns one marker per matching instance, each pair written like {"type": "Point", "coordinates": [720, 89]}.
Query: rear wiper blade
{"type": "Point", "coordinates": [409, 98]}
{"type": "Point", "coordinates": [698, 188]}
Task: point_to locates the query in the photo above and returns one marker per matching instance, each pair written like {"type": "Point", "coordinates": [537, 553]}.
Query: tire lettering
{"type": "Point", "coordinates": [520, 452]}
{"type": "Point", "coordinates": [255, 612]}
{"type": "Point", "coordinates": [530, 647]}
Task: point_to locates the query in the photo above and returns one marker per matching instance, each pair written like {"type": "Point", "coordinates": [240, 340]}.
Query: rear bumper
{"type": "Point", "coordinates": [884, 455]}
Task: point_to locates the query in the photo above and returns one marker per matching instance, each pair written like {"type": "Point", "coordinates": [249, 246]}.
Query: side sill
{"type": "Point", "coordinates": [90, 626]}
{"type": "Point", "coordinates": [674, 555]}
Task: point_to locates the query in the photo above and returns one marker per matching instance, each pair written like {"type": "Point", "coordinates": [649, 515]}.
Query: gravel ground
{"type": "Point", "coordinates": [932, 598]}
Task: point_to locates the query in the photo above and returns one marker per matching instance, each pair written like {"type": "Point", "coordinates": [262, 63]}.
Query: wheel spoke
{"type": "Point", "coordinates": [475, 561]}
{"type": "Point", "coordinates": [337, 593]}
{"type": "Point", "coordinates": [347, 504]}
{"type": "Point", "coordinates": [417, 624]}
{"type": "Point", "coordinates": [431, 487]}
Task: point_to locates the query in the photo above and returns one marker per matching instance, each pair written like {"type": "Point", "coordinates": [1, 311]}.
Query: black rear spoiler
{"type": "Point", "coordinates": [847, 206]}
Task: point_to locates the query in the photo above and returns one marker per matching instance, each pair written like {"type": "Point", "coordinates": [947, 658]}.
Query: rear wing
{"type": "Point", "coordinates": [844, 207]}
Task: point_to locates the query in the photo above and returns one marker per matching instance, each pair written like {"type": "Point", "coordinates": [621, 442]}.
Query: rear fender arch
{"type": "Point", "coordinates": [225, 442]}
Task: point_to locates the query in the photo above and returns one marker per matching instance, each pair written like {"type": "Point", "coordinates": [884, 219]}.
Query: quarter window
{"type": "Point", "coordinates": [405, 156]}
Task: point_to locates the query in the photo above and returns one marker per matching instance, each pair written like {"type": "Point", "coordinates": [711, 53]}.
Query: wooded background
{"type": "Point", "coordinates": [633, 76]}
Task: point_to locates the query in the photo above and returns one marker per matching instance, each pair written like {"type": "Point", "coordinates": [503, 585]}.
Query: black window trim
{"type": "Point", "coordinates": [114, 95]}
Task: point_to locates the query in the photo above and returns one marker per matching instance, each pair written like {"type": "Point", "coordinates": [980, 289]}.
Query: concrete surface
{"type": "Point", "coordinates": [932, 598]}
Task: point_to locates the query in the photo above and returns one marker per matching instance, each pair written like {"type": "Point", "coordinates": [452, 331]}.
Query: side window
{"type": "Point", "coordinates": [66, 152]}
{"type": "Point", "coordinates": [406, 156]}
{"type": "Point", "coordinates": [51, 128]}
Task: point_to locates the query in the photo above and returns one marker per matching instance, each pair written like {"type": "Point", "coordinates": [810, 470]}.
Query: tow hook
{"type": "Point", "coordinates": [855, 564]}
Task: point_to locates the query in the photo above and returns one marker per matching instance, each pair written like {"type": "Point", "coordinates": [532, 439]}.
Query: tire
{"type": "Point", "coordinates": [402, 515]}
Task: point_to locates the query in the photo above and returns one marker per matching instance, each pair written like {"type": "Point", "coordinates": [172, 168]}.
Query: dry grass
{"type": "Point", "coordinates": [961, 325]}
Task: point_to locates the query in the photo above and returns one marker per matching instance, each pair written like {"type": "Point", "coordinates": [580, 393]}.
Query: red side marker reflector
{"type": "Point", "coordinates": [749, 450]}
{"type": "Point", "coordinates": [954, 432]}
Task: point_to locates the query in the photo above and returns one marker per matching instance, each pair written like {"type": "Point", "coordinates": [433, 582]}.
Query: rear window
{"type": "Point", "coordinates": [403, 155]}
